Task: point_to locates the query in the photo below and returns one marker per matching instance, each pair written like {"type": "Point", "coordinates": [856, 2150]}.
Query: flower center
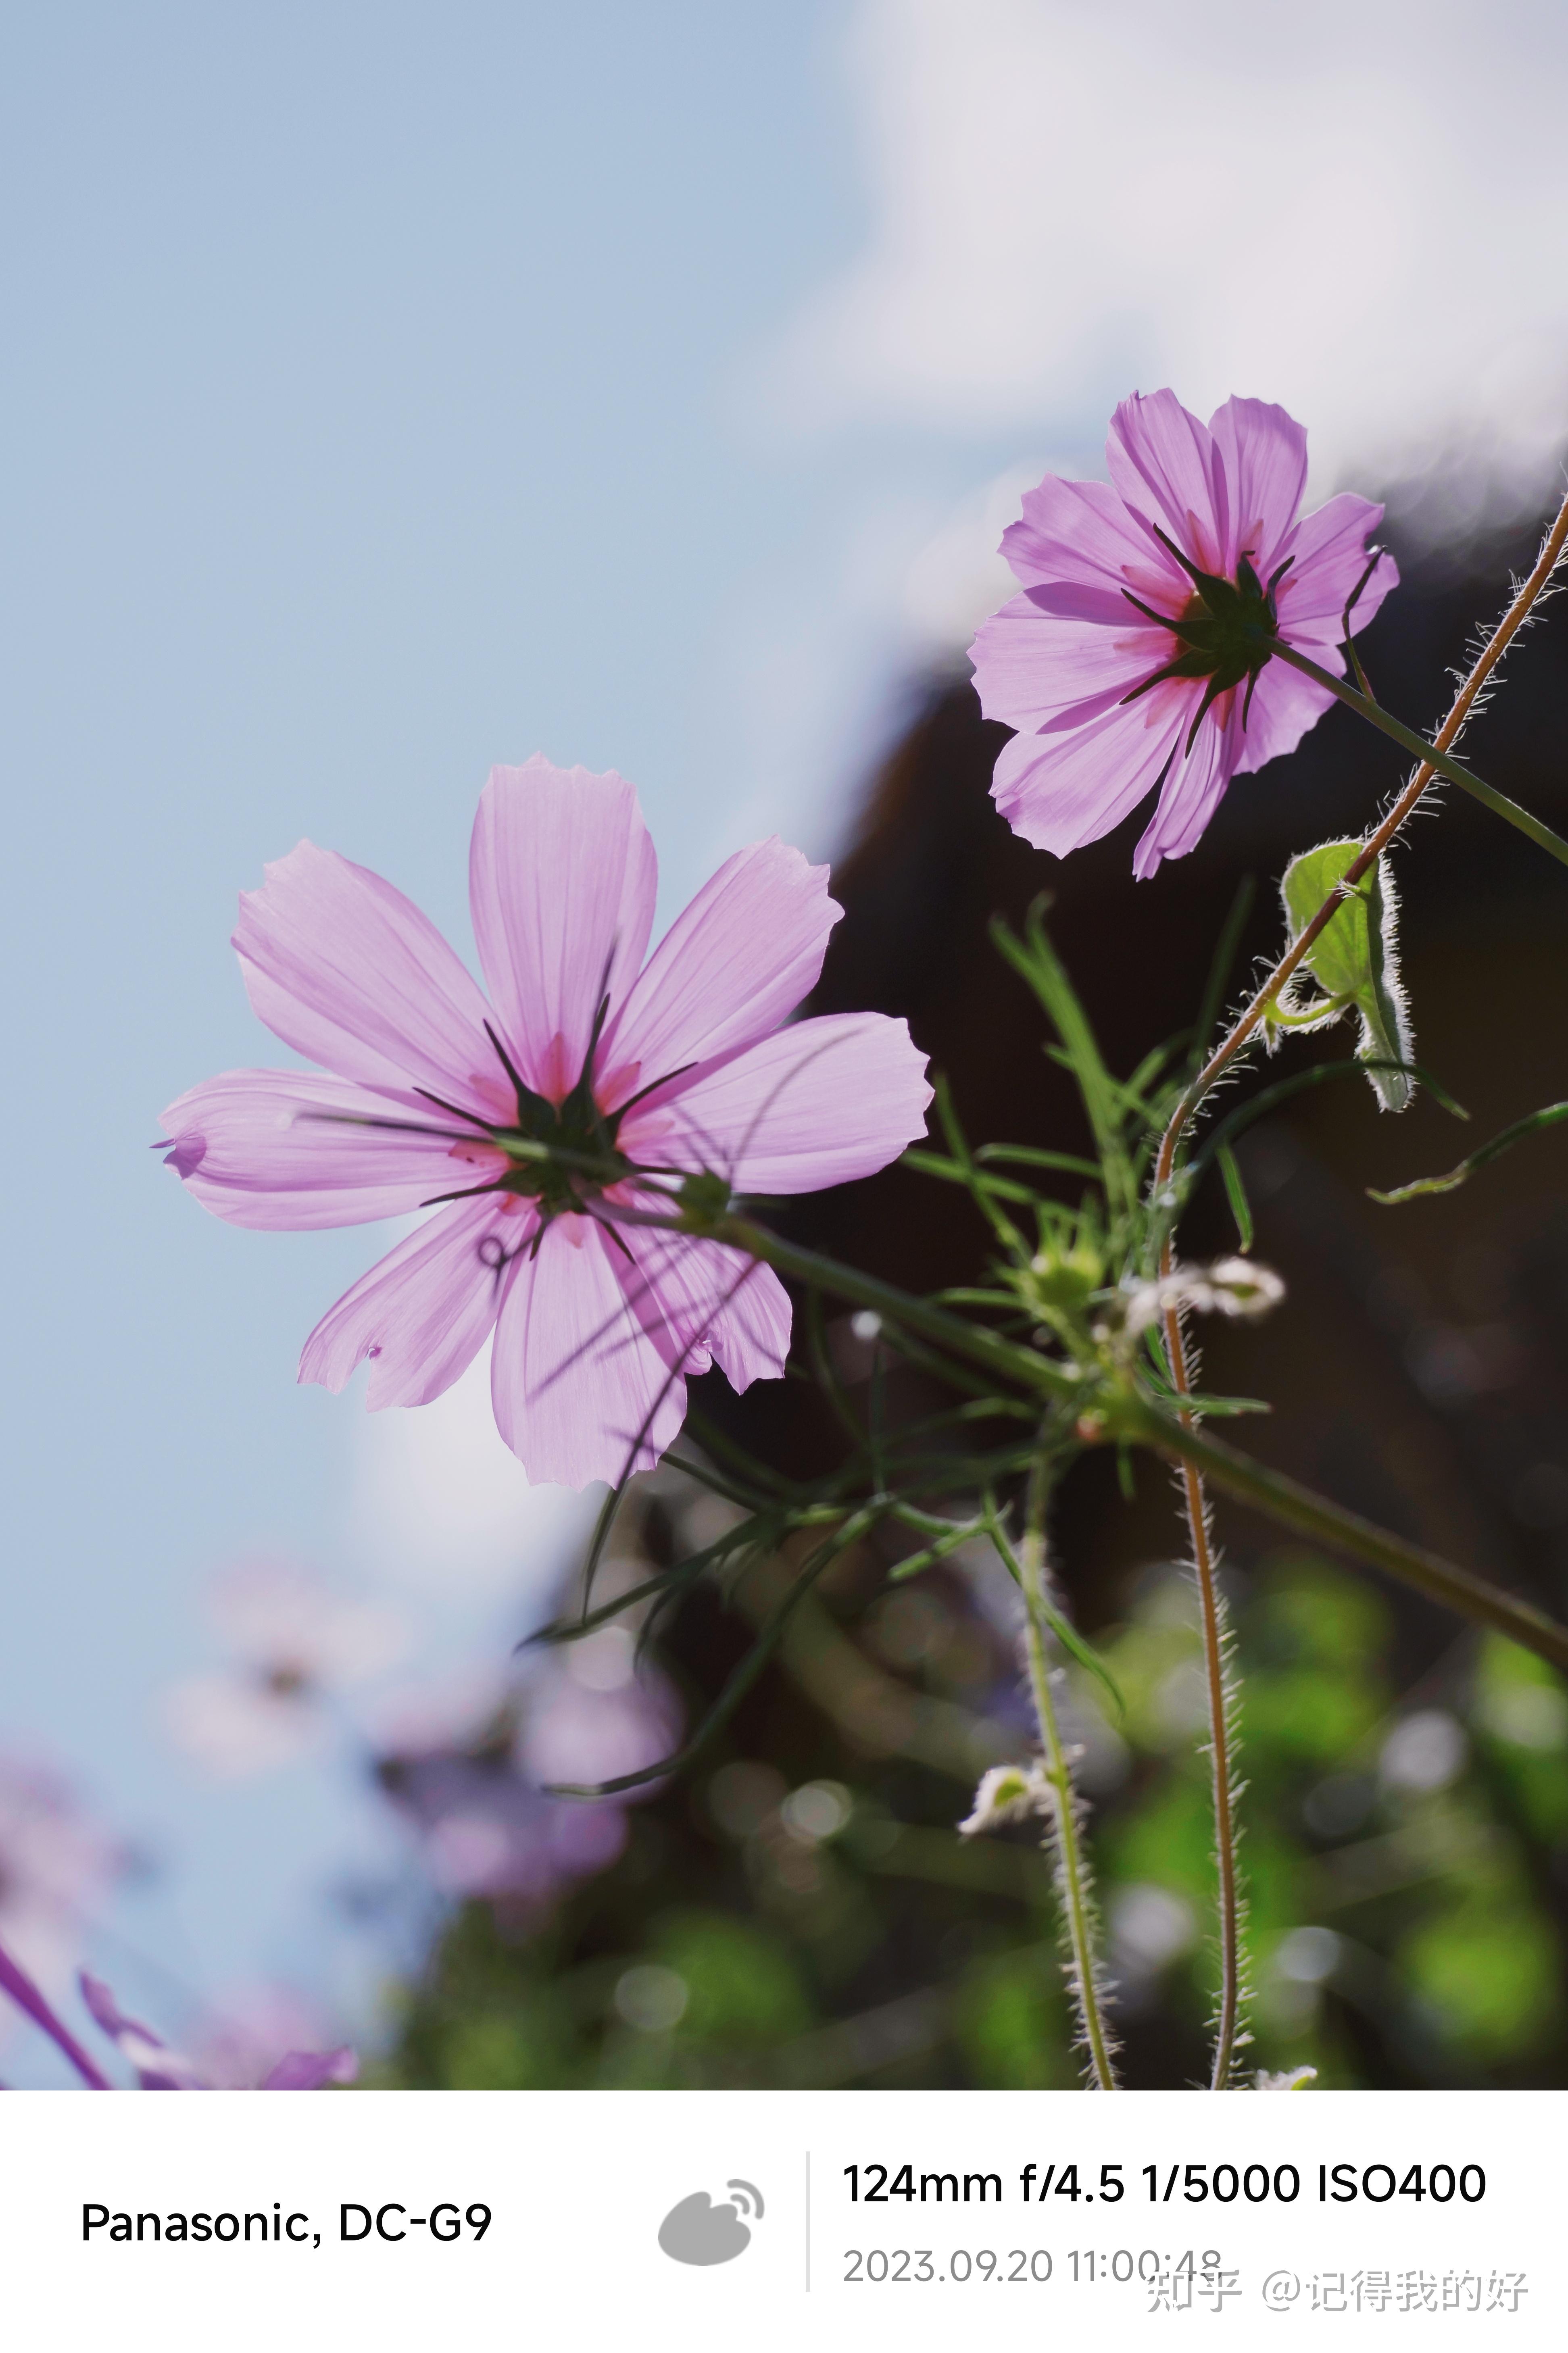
{"type": "Point", "coordinates": [561, 1154]}
{"type": "Point", "coordinates": [1226, 631]}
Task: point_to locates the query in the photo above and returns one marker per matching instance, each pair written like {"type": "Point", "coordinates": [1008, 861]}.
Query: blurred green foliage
{"type": "Point", "coordinates": [1405, 1848]}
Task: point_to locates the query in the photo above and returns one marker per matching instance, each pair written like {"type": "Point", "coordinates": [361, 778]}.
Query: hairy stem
{"type": "Point", "coordinates": [1222, 1746]}
{"type": "Point", "coordinates": [1235, 1037]}
{"type": "Point", "coordinates": [1076, 1892]}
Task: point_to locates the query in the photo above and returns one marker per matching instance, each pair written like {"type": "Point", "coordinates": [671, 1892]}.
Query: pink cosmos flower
{"type": "Point", "coordinates": [545, 1121]}
{"type": "Point", "coordinates": [1137, 655]}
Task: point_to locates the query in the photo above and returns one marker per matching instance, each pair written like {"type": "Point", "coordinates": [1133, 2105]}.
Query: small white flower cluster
{"type": "Point", "coordinates": [1285, 2079]}
{"type": "Point", "coordinates": [1232, 1286]}
{"type": "Point", "coordinates": [1007, 1793]}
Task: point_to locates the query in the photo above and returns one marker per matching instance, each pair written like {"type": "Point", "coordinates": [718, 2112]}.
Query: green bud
{"type": "Point", "coordinates": [1354, 960]}
{"type": "Point", "coordinates": [704, 1198]}
{"type": "Point", "coordinates": [1060, 1283]}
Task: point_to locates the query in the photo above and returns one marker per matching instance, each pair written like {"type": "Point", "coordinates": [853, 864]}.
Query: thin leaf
{"type": "Point", "coordinates": [1235, 1192]}
{"type": "Point", "coordinates": [739, 1683]}
{"type": "Point", "coordinates": [1318, 1075]}
{"type": "Point", "coordinates": [1027, 1155]}
{"type": "Point", "coordinates": [1549, 1117]}
{"type": "Point", "coordinates": [1220, 966]}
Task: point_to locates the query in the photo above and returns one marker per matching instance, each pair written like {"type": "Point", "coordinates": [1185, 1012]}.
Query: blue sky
{"type": "Point", "coordinates": [391, 390]}
{"type": "Point", "coordinates": [368, 417]}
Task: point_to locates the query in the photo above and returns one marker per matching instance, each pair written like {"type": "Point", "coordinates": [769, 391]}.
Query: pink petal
{"type": "Point", "coordinates": [256, 1148]}
{"type": "Point", "coordinates": [1164, 464]}
{"type": "Point", "coordinates": [562, 880]}
{"type": "Point", "coordinates": [1083, 533]}
{"type": "Point", "coordinates": [749, 1336]}
{"type": "Point", "coordinates": [422, 1313]}
{"type": "Point", "coordinates": [732, 968]}
{"type": "Point", "coordinates": [1283, 706]}
{"type": "Point", "coordinates": [312, 2071]}
{"type": "Point", "coordinates": [581, 1391]}
{"type": "Point", "coordinates": [1194, 788]}
{"type": "Point", "coordinates": [1264, 453]}
{"type": "Point", "coordinates": [1330, 546]}
{"type": "Point", "coordinates": [344, 968]}
{"type": "Point", "coordinates": [158, 2069]}
{"type": "Point", "coordinates": [704, 1304]}
{"type": "Point", "coordinates": [1061, 791]}
{"type": "Point", "coordinates": [1040, 668]}
{"type": "Point", "coordinates": [818, 1104]}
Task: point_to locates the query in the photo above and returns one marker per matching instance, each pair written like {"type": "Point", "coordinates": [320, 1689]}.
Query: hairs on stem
{"type": "Point", "coordinates": [1086, 1983]}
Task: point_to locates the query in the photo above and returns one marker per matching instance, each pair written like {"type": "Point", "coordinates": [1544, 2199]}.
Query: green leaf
{"type": "Point", "coordinates": [1236, 1192]}
{"type": "Point", "coordinates": [1549, 1117]}
{"type": "Point", "coordinates": [1354, 958]}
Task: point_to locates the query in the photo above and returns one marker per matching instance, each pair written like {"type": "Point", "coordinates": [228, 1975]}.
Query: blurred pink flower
{"type": "Point", "coordinates": [1136, 656]}
{"type": "Point", "coordinates": [158, 2068]}
{"type": "Point", "coordinates": [251, 2033]}
{"type": "Point", "coordinates": [56, 1865]}
{"type": "Point", "coordinates": [161, 2069]}
{"type": "Point", "coordinates": [473, 1792]}
{"type": "Point", "coordinates": [595, 1717]}
{"type": "Point", "coordinates": [299, 1644]}
{"type": "Point", "coordinates": [606, 1064]}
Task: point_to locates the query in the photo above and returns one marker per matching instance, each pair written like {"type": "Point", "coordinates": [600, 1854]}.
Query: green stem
{"type": "Point", "coordinates": [1132, 1419]}
{"type": "Point", "coordinates": [1000, 1357]}
{"type": "Point", "coordinates": [1222, 1758]}
{"type": "Point", "coordinates": [1296, 1507]}
{"type": "Point", "coordinates": [1443, 762]}
{"type": "Point", "coordinates": [1077, 1903]}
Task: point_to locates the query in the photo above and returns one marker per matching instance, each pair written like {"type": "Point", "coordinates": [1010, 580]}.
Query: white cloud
{"type": "Point", "coordinates": [1360, 209]}
{"type": "Point", "coordinates": [438, 1501]}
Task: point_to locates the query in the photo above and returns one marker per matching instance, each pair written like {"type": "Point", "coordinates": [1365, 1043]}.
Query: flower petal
{"type": "Point", "coordinates": [263, 1148]}
{"type": "Point", "coordinates": [818, 1104]}
{"type": "Point", "coordinates": [312, 2071]}
{"type": "Point", "coordinates": [1194, 788]}
{"type": "Point", "coordinates": [1163, 462]}
{"type": "Point", "coordinates": [749, 1336]}
{"type": "Point", "coordinates": [1039, 667]}
{"type": "Point", "coordinates": [581, 1390]}
{"type": "Point", "coordinates": [158, 2069]}
{"type": "Point", "coordinates": [345, 969]}
{"type": "Point", "coordinates": [423, 1312]}
{"type": "Point", "coordinates": [1264, 453]}
{"type": "Point", "coordinates": [562, 880]}
{"type": "Point", "coordinates": [19, 1987]}
{"type": "Point", "coordinates": [1330, 548]}
{"type": "Point", "coordinates": [733, 966]}
{"type": "Point", "coordinates": [1060, 791]}
{"type": "Point", "coordinates": [1283, 706]}
{"type": "Point", "coordinates": [1083, 532]}
{"type": "Point", "coordinates": [710, 1304]}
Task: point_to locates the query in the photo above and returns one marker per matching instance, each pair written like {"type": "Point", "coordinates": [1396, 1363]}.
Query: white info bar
{"type": "Point", "coordinates": [772, 2220]}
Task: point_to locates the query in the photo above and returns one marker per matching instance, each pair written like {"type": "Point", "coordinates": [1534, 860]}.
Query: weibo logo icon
{"type": "Point", "coordinates": [698, 2232]}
